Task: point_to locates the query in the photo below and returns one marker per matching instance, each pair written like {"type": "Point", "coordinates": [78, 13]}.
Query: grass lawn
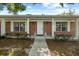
{"type": "Point", "coordinates": [63, 48]}
{"type": "Point", "coordinates": [9, 45]}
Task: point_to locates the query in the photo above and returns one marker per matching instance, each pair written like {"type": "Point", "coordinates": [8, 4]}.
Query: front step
{"type": "Point", "coordinates": [39, 37]}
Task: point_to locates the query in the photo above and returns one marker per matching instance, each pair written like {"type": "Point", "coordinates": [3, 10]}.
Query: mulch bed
{"type": "Point", "coordinates": [16, 42]}
{"type": "Point", "coordinates": [63, 48]}
{"type": "Point", "coordinates": [9, 44]}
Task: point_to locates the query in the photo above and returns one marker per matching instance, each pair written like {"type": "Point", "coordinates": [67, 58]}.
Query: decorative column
{"type": "Point", "coordinates": [76, 30]}
{"type": "Point", "coordinates": [3, 27]}
{"type": "Point", "coordinates": [25, 25]}
{"type": "Point", "coordinates": [53, 27]}
{"type": "Point", "coordinates": [28, 25]}
{"type": "Point", "coordinates": [12, 26]}
{"type": "Point", "coordinates": [68, 26]}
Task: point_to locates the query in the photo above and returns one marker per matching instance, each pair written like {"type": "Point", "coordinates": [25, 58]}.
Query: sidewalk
{"type": "Point", "coordinates": [39, 47]}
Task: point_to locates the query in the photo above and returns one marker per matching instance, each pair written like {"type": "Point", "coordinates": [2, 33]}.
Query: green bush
{"type": "Point", "coordinates": [2, 37]}
{"type": "Point", "coordinates": [17, 34]}
{"type": "Point", "coordinates": [62, 37]}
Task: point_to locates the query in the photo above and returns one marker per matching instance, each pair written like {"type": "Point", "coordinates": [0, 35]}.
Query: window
{"type": "Point", "coordinates": [19, 26]}
{"type": "Point", "coordinates": [22, 26]}
{"type": "Point", "coordinates": [61, 26]}
{"type": "Point", "coordinates": [16, 26]}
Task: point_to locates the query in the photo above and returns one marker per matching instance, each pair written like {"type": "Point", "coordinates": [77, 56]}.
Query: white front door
{"type": "Point", "coordinates": [40, 27]}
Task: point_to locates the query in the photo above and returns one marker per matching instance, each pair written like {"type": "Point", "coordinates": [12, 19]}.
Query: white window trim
{"type": "Point", "coordinates": [26, 24]}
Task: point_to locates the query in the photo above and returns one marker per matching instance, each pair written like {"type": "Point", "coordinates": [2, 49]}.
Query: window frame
{"type": "Point", "coordinates": [60, 25]}
{"type": "Point", "coordinates": [19, 26]}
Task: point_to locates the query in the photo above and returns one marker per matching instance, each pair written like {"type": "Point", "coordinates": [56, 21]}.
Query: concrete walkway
{"type": "Point", "coordinates": [39, 47]}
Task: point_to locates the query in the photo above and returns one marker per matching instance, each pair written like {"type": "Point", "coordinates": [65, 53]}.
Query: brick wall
{"type": "Point", "coordinates": [72, 27]}
{"type": "Point", "coordinates": [8, 27]}
{"type": "Point", "coordinates": [32, 28]}
{"type": "Point", "coordinates": [47, 28]}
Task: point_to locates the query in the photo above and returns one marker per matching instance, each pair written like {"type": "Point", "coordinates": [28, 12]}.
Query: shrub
{"type": "Point", "coordinates": [2, 36]}
{"type": "Point", "coordinates": [16, 34]}
{"type": "Point", "coordinates": [62, 37]}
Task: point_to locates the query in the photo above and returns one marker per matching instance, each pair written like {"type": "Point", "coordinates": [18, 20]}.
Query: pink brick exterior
{"type": "Point", "coordinates": [48, 28]}
{"type": "Point", "coordinates": [32, 28]}
{"type": "Point", "coordinates": [8, 26]}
